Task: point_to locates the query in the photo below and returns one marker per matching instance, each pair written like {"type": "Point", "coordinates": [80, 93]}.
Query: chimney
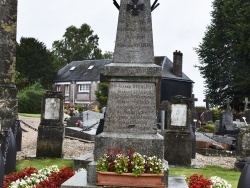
{"type": "Point", "coordinates": [177, 63]}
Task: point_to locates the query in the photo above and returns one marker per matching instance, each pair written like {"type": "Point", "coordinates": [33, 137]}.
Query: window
{"type": "Point", "coordinates": [58, 88]}
{"type": "Point", "coordinates": [66, 89]}
{"type": "Point", "coordinates": [83, 88]}
{"type": "Point", "coordinates": [91, 67]}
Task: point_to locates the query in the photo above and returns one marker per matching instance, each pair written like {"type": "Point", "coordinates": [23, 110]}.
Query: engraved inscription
{"type": "Point", "coordinates": [179, 115]}
{"type": "Point", "coordinates": [52, 107]}
{"type": "Point", "coordinates": [131, 107]}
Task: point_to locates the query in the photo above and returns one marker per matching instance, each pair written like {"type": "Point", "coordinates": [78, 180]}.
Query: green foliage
{"type": "Point", "coordinates": [210, 127]}
{"type": "Point", "coordinates": [80, 108]}
{"type": "Point", "coordinates": [108, 55]}
{"type": "Point", "coordinates": [224, 53]}
{"type": "Point", "coordinates": [34, 64]}
{"type": "Point", "coordinates": [41, 163]}
{"type": "Point", "coordinates": [30, 98]}
{"type": "Point", "coordinates": [77, 44]}
{"type": "Point", "coordinates": [216, 113]}
{"type": "Point", "coordinates": [102, 93]}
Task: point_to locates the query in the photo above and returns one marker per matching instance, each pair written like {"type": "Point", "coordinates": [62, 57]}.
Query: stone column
{"type": "Point", "coordinates": [8, 101]}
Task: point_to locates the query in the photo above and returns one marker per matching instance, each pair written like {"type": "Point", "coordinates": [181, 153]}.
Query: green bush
{"type": "Point", "coordinates": [216, 113]}
{"type": "Point", "coordinates": [30, 99]}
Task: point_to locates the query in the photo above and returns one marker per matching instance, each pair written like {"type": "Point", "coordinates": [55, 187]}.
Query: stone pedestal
{"type": "Point", "coordinates": [50, 141]}
{"type": "Point", "coordinates": [51, 129]}
{"type": "Point", "coordinates": [178, 148]}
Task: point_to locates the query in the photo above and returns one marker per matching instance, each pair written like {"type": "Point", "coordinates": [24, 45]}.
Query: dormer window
{"type": "Point", "coordinates": [72, 68]}
{"type": "Point", "coordinates": [91, 67]}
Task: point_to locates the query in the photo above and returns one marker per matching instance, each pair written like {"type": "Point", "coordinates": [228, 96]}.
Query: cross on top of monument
{"type": "Point", "coordinates": [135, 7]}
{"type": "Point", "coordinates": [207, 100]}
{"type": "Point", "coordinates": [246, 103]}
{"type": "Point", "coordinates": [193, 100]}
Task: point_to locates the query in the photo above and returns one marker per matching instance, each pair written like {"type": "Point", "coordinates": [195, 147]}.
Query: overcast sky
{"type": "Point", "coordinates": [177, 25]}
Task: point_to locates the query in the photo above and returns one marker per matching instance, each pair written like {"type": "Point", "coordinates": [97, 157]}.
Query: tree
{"type": "Point", "coordinates": [224, 53]}
{"type": "Point", "coordinates": [34, 64]}
{"type": "Point", "coordinates": [102, 93]}
{"type": "Point", "coordinates": [29, 99]}
{"type": "Point", "coordinates": [77, 44]}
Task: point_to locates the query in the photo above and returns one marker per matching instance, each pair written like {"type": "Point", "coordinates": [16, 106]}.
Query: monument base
{"type": "Point", "coordinates": [181, 155]}
{"type": "Point", "coordinates": [50, 141]}
{"type": "Point", "coordinates": [145, 144]}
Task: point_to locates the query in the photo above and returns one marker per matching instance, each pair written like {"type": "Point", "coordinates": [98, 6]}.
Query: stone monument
{"type": "Point", "coordinates": [8, 91]}
{"type": "Point", "coordinates": [130, 119]}
{"type": "Point", "coordinates": [51, 129]}
{"type": "Point", "coordinates": [178, 137]}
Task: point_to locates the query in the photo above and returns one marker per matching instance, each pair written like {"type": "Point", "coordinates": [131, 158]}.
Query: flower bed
{"type": "Point", "coordinates": [29, 177]}
{"type": "Point", "coordinates": [116, 168]}
{"type": "Point", "coordinates": [199, 181]}
{"type": "Point", "coordinates": [131, 162]}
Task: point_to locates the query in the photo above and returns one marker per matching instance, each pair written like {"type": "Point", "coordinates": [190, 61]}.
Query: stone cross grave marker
{"type": "Point", "coordinates": [227, 119]}
{"type": "Point", "coordinates": [246, 102]}
{"type": "Point", "coordinates": [91, 118]}
{"type": "Point", "coordinates": [207, 100]}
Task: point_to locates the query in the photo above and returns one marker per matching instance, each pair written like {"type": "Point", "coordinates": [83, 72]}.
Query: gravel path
{"type": "Point", "coordinates": [73, 148]}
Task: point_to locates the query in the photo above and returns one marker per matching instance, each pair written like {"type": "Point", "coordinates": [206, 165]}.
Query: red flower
{"type": "Point", "coordinates": [199, 181]}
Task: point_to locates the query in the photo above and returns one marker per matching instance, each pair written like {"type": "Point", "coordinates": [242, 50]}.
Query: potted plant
{"type": "Point", "coordinates": [116, 168]}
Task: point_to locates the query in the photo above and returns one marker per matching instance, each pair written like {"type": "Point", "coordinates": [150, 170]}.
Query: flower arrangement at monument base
{"type": "Point", "coordinates": [116, 168]}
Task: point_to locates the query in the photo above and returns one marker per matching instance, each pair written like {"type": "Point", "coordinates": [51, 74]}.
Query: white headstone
{"type": "Point", "coordinates": [90, 118]}
{"type": "Point", "coordinates": [179, 115]}
{"type": "Point", "coordinates": [52, 108]}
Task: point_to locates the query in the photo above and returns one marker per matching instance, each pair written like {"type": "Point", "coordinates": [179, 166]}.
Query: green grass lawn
{"type": "Point", "coordinates": [41, 163]}
{"type": "Point", "coordinates": [30, 115]}
{"type": "Point", "coordinates": [232, 176]}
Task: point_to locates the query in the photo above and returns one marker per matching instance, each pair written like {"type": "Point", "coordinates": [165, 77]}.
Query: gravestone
{"type": "Point", "coordinates": [164, 107]}
{"type": "Point", "coordinates": [226, 121]}
{"type": "Point", "coordinates": [91, 118]}
{"type": "Point", "coordinates": [247, 116]}
{"type": "Point", "coordinates": [130, 119]}
{"type": "Point", "coordinates": [51, 129]}
{"type": "Point", "coordinates": [8, 147]}
{"type": "Point", "coordinates": [178, 137]}
{"type": "Point", "coordinates": [72, 121]}
{"type": "Point", "coordinates": [207, 115]}
{"type": "Point", "coordinates": [243, 148]}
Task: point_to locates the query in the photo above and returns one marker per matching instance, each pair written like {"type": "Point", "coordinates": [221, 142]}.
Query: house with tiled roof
{"type": "Point", "coordinates": [79, 80]}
